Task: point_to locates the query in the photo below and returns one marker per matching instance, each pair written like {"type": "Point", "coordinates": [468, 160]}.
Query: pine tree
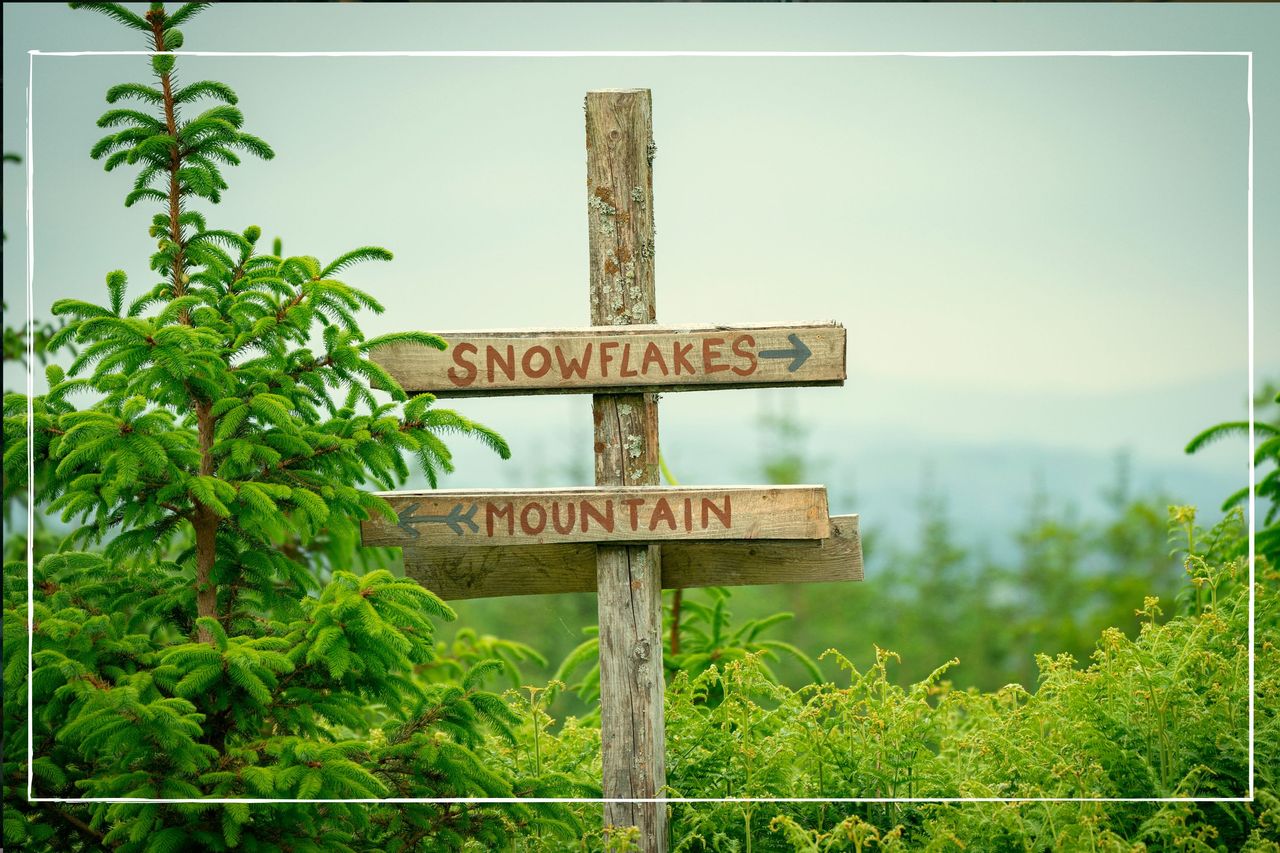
{"type": "Point", "coordinates": [186, 645]}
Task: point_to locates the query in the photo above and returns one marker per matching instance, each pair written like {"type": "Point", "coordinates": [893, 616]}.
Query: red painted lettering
{"type": "Point", "coordinates": [569, 367]}
{"type": "Point", "coordinates": [605, 358]}
{"type": "Point", "coordinates": [634, 505]}
{"type": "Point", "coordinates": [468, 374]}
{"type": "Point", "coordinates": [681, 356]}
{"type": "Point", "coordinates": [725, 515]}
{"type": "Point", "coordinates": [711, 354]}
{"type": "Point", "coordinates": [531, 529]}
{"type": "Point", "coordinates": [688, 513]}
{"type": "Point", "coordinates": [626, 359]}
{"type": "Point", "coordinates": [495, 511]}
{"type": "Point", "coordinates": [555, 517]}
{"type": "Point", "coordinates": [605, 519]}
{"type": "Point", "coordinates": [662, 511]}
{"type": "Point", "coordinates": [653, 355]}
{"type": "Point", "coordinates": [526, 363]}
{"type": "Point", "coordinates": [739, 349]}
{"type": "Point", "coordinates": [492, 359]}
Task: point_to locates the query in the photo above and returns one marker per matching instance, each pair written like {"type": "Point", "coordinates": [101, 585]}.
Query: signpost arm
{"type": "Point", "coordinates": [629, 577]}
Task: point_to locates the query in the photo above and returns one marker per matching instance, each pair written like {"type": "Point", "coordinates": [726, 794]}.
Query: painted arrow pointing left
{"type": "Point", "coordinates": [455, 519]}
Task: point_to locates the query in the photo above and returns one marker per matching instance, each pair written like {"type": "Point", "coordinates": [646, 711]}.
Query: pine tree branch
{"type": "Point", "coordinates": [284, 464]}
{"type": "Point", "coordinates": [176, 510]}
{"type": "Point", "coordinates": [327, 361]}
{"type": "Point", "coordinates": [290, 676]}
{"type": "Point", "coordinates": [83, 828]}
{"type": "Point", "coordinates": [292, 303]}
{"type": "Point", "coordinates": [442, 819]}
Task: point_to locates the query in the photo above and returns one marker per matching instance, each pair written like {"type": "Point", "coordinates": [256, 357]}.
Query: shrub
{"type": "Point", "coordinates": [202, 631]}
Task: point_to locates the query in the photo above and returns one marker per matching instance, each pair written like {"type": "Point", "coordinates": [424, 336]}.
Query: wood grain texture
{"type": "Point", "coordinates": [460, 573]}
{"type": "Point", "coordinates": [620, 359]}
{"type": "Point", "coordinates": [836, 558]}
{"type": "Point", "coordinates": [466, 518]}
{"type": "Point", "coordinates": [628, 578]}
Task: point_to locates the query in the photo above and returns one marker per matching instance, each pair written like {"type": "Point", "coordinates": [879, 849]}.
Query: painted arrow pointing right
{"type": "Point", "coordinates": [799, 353]}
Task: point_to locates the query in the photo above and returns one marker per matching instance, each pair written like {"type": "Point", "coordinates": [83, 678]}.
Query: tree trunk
{"type": "Point", "coordinates": [205, 521]}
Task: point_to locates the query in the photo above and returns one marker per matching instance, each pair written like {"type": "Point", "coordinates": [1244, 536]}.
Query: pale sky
{"type": "Point", "coordinates": [1026, 251]}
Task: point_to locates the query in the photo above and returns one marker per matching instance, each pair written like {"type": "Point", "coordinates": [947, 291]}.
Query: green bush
{"type": "Point", "coordinates": [205, 630]}
{"type": "Point", "coordinates": [1163, 714]}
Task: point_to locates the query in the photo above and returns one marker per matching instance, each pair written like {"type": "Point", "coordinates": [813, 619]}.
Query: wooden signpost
{"type": "Point", "coordinates": [454, 572]}
{"type": "Point", "coordinates": [631, 358]}
{"type": "Point", "coordinates": [628, 538]}
{"type": "Point", "coordinates": [645, 514]}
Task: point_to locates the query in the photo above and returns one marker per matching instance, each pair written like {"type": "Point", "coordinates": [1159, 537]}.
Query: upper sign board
{"type": "Point", "coordinates": [625, 514]}
{"type": "Point", "coordinates": [619, 359]}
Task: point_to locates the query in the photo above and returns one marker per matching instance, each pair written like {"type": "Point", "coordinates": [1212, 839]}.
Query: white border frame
{"type": "Point", "coordinates": [543, 54]}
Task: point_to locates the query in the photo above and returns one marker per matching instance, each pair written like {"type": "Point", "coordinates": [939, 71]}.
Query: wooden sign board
{"type": "Point", "coordinates": [486, 572]}
{"type": "Point", "coordinates": [602, 514]}
{"type": "Point", "coordinates": [617, 359]}
{"type": "Point", "coordinates": [627, 538]}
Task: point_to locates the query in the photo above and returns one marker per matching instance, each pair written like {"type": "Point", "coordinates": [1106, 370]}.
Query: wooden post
{"type": "Point", "coordinates": [467, 544]}
{"type": "Point", "coordinates": [629, 577]}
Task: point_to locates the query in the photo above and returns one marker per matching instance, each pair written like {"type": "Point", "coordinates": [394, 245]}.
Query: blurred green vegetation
{"type": "Point", "coordinates": [1060, 581]}
{"type": "Point", "coordinates": [1160, 713]}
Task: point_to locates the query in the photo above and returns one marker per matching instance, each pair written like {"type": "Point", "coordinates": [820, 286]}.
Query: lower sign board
{"type": "Point", "coordinates": [455, 573]}
{"type": "Point", "coordinates": [615, 359]}
{"type": "Point", "coordinates": [589, 515]}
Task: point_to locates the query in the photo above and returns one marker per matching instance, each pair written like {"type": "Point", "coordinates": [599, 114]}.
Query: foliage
{"type": "Point", "coordinates": [1162, 714]}
{"type": "Point", "coordinates": [205, 630]}
{"type": "Point", "coordinates": [469, 649]}
{"type": "Point", "coordinates": [187, 643]}
{"type": "Point", "coordinates": [1266, 458]}
{"type": "Point", "coordinates": [1053, 585]}
{"type": "Point", "coordinates": [700, 636]}
{"type": "Point", "coordinates": [705, 637]}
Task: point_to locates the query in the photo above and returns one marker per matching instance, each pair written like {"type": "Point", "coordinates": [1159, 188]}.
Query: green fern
{"type": "Point", "coordinates": [1266, 458]}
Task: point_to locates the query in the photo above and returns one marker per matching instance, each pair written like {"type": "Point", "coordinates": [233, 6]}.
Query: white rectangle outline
{"type": "Point", "coordinates": [545, 54]}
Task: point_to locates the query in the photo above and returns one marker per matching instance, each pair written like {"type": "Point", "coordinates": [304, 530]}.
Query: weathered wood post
{"type": "Point", "coordinates": [627, 537]}
{"type": "Point", "coordinates": [629, 577]}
